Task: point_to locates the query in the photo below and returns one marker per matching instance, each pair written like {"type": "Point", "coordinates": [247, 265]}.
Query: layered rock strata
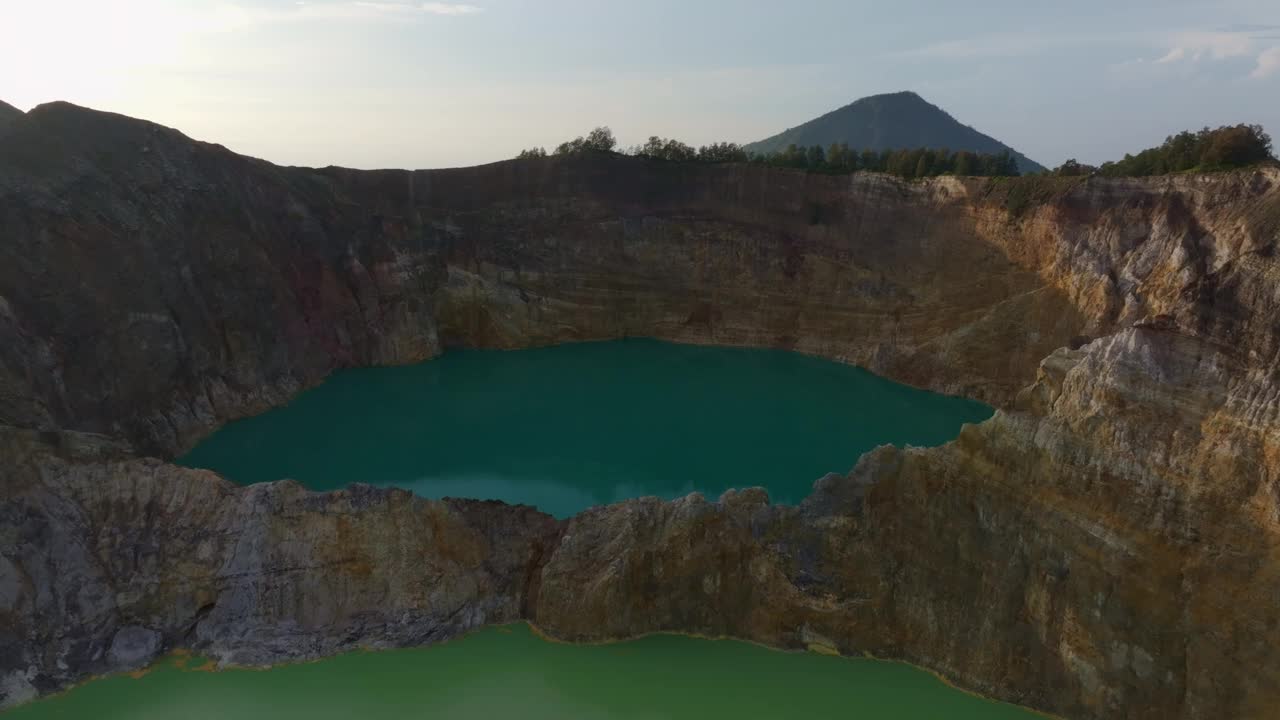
{"type": "Point", "coordinates": [1104, 547]}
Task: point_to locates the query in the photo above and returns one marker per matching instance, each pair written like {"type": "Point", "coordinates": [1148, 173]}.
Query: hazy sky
{"type": "Point", "coordinates": [388, 83]}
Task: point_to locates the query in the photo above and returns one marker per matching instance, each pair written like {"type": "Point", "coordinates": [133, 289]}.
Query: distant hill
{"type": "Point", "coordinates": [894, 121]}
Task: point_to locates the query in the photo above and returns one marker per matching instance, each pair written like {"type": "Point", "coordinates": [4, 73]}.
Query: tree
{"type": "Point", "coordinates": [816, 157]}
{"type": "Point", "coordinates": [657, 148]}
{"type": "Point", "coordinates": [923, 167]}
{"type": "Point", "coordinates": [722, 153]}
{"type": "Point", "coordinates": [793, 156]}
{"type": "Point", "coordinates": [942, 162]}
{"type": "Point", "coordinates": [1227, 147]}
{"type": "Point", "coordinates": [998, 165]}
{"type": "Point", "coordinates": [1074, 168]}
{"type": "Point", "coordinates": [870, 161]}
{"type": "Point", "coordinates": [899, 163]}
{"type": "Point", "coordinates": [840, 158]}
{"type": "Point", "coordinates": [531, 153]}
{"type": "Point", "coordinates": [1237, 146]}
{"type": "Point", "coordinates": [599, 140]}
{"type": "Point", "coordinates": [909, 163]}
{"type": "Point", "coordinates": [651, 149]}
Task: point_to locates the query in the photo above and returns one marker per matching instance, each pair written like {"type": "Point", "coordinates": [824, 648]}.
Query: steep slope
{"type": "Point", "coordinates": [240, 283]}
{"type": "Point", "coordinates": [8, 114]}
{"type": "Point", "coordinates": [1106, 546]}
{"type": "Point", "coordinates": [890, 122]}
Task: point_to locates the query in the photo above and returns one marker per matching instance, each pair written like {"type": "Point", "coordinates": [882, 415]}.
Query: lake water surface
{"type": "Point", "coordinates": [564, 428]}
{"type": "Point", "coordinates": [508, 673]}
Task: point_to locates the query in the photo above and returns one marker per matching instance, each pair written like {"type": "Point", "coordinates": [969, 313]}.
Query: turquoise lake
{"type": "Point", "coordinates": [567, 427]}
{"type": "Point", "coordinates": [564, 428]}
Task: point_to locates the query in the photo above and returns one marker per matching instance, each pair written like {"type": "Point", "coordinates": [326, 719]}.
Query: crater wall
{"type": "Point", "coordinates": [1104, 547]}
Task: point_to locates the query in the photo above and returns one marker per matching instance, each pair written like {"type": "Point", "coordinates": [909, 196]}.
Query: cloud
{"type": "Point", "coordinates": [989, 46]}
{"type": "Point", "coordinates": [1195, 46]}
{"type": "Point", "coordinates": [1178, 47]}
{"type": "Point", "coordinates": [1268, 63]}
{"type": "Point", "coordinates": [1248, 28]}
{"type": "Point", "coordinates": [1184, 49]}
{"type": "Point", "coordinates": [233, 17]}
{"type": "Point", "coordinates": [401, 9]}
{"type": "Point", "coordinates": [370, 7]}
{"type": "Point", "coordinates": [1233, 42]}
{"type": "Point", "coordinates": [439, 8]}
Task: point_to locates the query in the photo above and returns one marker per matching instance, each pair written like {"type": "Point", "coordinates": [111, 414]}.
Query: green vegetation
{"type": "Point", "coordinates": [657, 148]}
{"type": "Point", "coordinates": [722, 152]}
{"type": "Point", "coordinates": [1073, 168]}
{"type": "Point", "coordinates": [599, 140]}
{"type": "Point", "coordinates": [839, 158]}
{"type": "Point", "coordinates": [836, 159]}
{"type": "Point", "coordinates": [1226, 148]}
{"type": "Point", "coordinates": [1208, 150]}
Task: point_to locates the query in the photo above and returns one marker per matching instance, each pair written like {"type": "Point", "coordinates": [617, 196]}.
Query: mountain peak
{"type": "Point", "coordinates": [890, 121]}
{"type": "Point", "coordinates": [902, 94]}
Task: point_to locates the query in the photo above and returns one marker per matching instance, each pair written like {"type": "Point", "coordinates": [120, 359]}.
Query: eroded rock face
{"type": "Point", "coordinates": [1104, 547]}
{"type": "Point", "coordinates": [1020, 560]}
{"type": "Point", "coordinates": [117, 559]}
{"type": "Point", "coordinates": [154, 295]}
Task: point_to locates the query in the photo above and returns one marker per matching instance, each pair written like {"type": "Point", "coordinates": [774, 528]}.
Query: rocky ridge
{"type": "Point", "coordinates": [1104, 547]}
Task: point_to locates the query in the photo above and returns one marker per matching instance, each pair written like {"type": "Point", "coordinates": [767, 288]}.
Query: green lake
{"type": "Point", "coordinates": [564, 428]}
{"type": "Point", "coordinates": [508, 672]}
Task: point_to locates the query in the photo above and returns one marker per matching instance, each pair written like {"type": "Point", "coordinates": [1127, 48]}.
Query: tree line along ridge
{"type": "Point", "coordinates": [1225, 148]}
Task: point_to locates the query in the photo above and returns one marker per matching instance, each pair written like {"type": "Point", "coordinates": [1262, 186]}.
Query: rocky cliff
{"type": "Point", "coordinates": [8, 114]}
{"type": "Point", "coordinates": [1104, 547]}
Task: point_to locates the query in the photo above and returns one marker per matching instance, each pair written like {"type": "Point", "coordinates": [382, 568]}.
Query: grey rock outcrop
{"type": "Point", "coordinates": [134, 647]}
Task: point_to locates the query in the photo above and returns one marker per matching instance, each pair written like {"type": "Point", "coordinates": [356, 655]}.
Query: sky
{"type": "Point", "coordinates": [406, 83]}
